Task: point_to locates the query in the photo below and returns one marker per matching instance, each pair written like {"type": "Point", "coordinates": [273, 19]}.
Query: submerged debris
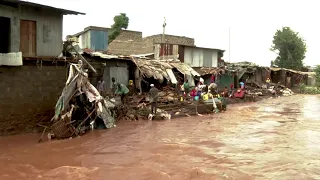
{"type": "Point", "coordinates": [79, 106]}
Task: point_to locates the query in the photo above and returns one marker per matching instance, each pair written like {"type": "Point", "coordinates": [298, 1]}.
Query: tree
{"type": "Point", "coordinates": [317, 71]}
{"type": "Point", "coordinates": [272, 64]}
{"type": "Point", "coordinates": [290, 47]}
{"type": "Point", "coordinates": [120, 22]}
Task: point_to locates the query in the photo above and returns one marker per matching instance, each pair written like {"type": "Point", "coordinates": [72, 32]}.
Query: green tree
{"type": "Point", "coordinates": [290, 48]}
{"type": "Point", "coordinates": [120, 22]}
{"type": "Point", "coordinates": [317, 71]}
{"type": "Point", "coordinates": [272, 64]}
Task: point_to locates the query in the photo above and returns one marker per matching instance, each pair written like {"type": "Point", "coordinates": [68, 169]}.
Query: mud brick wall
{"type": "Point", "coordinates": [150, 41]}
{"type": "Point", "coordinates": [127, 43]}
{"type": "Point", "coordinates": [126, 48]}
{"type": "Point", "coordinates": [28, 96]}
{"type": "Point", "coordinates": [126, 35]}
{"type": "Point", "coordinates": [170, 39]}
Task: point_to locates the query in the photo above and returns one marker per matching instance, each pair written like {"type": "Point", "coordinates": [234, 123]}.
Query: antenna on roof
{"type": "Point", "coordinates": [163, 32]}
{"type": "Point", "coordinates": [229, 44]}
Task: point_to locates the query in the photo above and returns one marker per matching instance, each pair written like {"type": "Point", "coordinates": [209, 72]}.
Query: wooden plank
{"type": "Point", "coordinates": [23, 37]}
{"type": "Point", "coordinates": [33, 37]}
{"type": "Point", "coordinates": [49, 58]}
{"type": "Point", "coordinates": [28, 38]}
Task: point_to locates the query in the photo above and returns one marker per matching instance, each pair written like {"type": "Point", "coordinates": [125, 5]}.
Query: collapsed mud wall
{"type": "Point", "coordinates": [28, 96]}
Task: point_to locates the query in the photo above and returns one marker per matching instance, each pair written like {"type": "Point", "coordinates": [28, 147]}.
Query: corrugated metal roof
{"type": "Point", "coordinates": [309, 73]}
{"type": "Point", "coordinates": [142, 55]}
{"type": "Point", "coordinates": [100, 29]}
{"type": "Point", "coordinates": [158, 68]}
{"type": "Point", "coordinates": [290, 70]}
{"type": "Point", "coordinates": [106, 56]}
{"type": "Point", "coordinates": [184, 68]}
{"type": "Point", "coordinates": [27, 3]}
{"type": "Point", "coordinates": [208, 70]}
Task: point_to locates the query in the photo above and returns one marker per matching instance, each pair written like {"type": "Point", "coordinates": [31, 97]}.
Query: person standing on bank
{"type": "Point", "coordinates": [122, 91]}
{"type": "Point", "coordinates": [114, 84]}
{"type": "Point", "coordinates": [186, 87]}
{"type": "Point", "coordinates": [153, 99]}
{"type": "Point", "coordinates": [268, 83]}
{"type": "Point", "coordinates": [101, 86]}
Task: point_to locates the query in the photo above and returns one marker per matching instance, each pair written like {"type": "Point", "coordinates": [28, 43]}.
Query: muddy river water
{"type": "Point", "coordinates": [271, 139]}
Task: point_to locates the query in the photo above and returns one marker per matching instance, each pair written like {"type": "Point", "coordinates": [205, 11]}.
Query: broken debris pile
{"type": "Point", "coordinates": [132, 113]}
{"type": "Point", "coordinates": [167, 95]}
{"type": "Point", "coordinates": [80, 106]}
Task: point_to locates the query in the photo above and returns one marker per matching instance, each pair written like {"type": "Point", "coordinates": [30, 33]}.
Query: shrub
{"type": "Point", "coordinates": [303, 89]}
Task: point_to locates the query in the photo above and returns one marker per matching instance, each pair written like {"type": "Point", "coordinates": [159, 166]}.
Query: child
{"type": "Point", "coordinates": [193, 93]}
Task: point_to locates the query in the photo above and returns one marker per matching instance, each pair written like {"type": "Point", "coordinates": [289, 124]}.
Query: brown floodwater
{"type": "Point", "coordinates": [272, 139]}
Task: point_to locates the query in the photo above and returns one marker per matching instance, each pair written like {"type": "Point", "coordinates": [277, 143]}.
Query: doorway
{"type": "Point", "coordinates": [5, 35]}
{"type": "Point", "coordinates": [28, 37]}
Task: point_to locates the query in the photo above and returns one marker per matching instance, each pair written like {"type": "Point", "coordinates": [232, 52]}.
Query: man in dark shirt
{"type": "Point", "coordinates": [153, 98]}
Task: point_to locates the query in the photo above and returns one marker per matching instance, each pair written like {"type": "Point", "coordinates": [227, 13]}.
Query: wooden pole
{"type": "Point", "coordinates": [82, 58]}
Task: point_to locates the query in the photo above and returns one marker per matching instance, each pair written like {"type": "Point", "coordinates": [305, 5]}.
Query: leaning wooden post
{"type": "Point", "coordinates": [84, 59]}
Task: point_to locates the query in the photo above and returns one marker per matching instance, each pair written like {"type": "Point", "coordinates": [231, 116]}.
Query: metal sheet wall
{"type": "Point", "coordinates": [119, 71]}
{"type": "Point", "coordinates": [106, 77]}
{"type": "Point", "coordinates": [49, 28]}
{"type": "Point", "coordinates": [214, 58]}
{"type": "Point", "coordinates": [199, 57]}
{"type": "Point", "coordinates": [85, 40]}
{"type": "Point", "coordinates": [98, 40]}
{"type": "Point", "coordinates": [121, 74]}
{"type": "Point", "coordinates": [188, 55]}
{"type": "Point", "coordinates": [207, 58]}
{"type": "Point", "coordinates": [225, 80]}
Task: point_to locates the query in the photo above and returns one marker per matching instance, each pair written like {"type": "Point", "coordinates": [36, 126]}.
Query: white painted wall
{"type": "Point", "coordinates": [215, 58]}
{"type": "Point", "coordinates": [188, 59]}
{"type": "Point", "coordinates": [198, 57]}
{"type": "Point", "coordinates": [194, 56]}
{"type": "Point", "coordinates": [84, 40]}
{"type": "Point", "coordinates": [11, 59]}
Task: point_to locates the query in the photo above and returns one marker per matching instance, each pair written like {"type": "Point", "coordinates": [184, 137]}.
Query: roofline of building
{"type": "Point", "coordinates": [100, 29]}
{"type": "Point", "coordinates": [26, 3]}
{"type": "Point", "coordinates": [168, 35]}
{"type": "Point", "coordinates": [194, 46]}
{"type": "Point", "coordinates": [208, 48]}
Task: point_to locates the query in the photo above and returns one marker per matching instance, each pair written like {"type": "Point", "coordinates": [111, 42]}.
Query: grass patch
{"type": "Point", "coordinates": [303, 89]}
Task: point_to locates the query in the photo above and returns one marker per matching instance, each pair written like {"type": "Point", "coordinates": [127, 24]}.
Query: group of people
{"type": "Point", "coordinates": [117, 89]}
{"type": "Point", "coordinates": [122, 90]}
{"type": "Point", "coordinates": [199, 89]}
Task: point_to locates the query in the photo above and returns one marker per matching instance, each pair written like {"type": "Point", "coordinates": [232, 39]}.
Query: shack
{"type": "Point", "coordinates": [108, 66]}
{"type": "Point", "coordinates": [249, 73]}
{"type": "Point", "coordinates": [141, 70]}
{"type": "Point", "coordinates": [32, 76]}
{"type": "Point", "coordinates": [288, 77]}
{"type": "Point", "coordinates": [173, 71]}
{"type": "Point", "coordinates": [311, 78]}
{"type": "Point", "coordinates": [33, 29]}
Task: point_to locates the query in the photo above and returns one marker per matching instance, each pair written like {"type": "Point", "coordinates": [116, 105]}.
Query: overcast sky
{"type": "Point", "coordinates": [252, 23]}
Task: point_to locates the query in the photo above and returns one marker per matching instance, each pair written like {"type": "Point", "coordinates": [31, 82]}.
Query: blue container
{"type": "Point", "coordinates": [196, 98]}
